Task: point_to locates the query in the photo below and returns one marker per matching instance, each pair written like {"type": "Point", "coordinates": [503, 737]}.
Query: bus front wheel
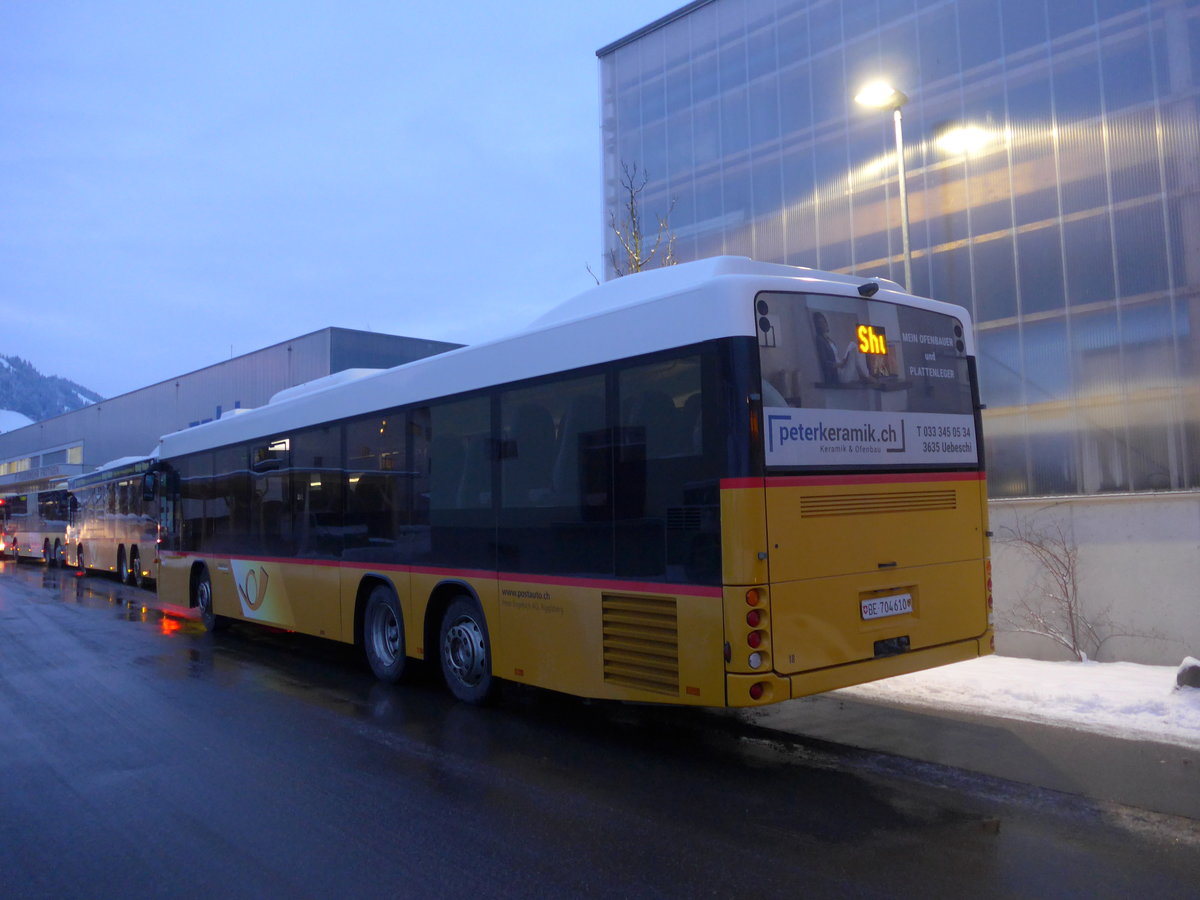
{"type": "Point", "coordinates": [383, 635]}
{"type": "Point", "coordinates": [135, 569]}
{"type": "Point", "coordinates": [466, 653]}
{"type": "Point", "coordinates": [202, 600]}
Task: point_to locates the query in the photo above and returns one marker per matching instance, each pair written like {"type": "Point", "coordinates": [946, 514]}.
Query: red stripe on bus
{"type": "Point", "coordinates": [646, 587]}
{"type": "Point", "coordinates": [861, 478]}
{"type": "Point", "coordinates": [728, 484]}
{"type": "Point", "coordinates": [686, 590]}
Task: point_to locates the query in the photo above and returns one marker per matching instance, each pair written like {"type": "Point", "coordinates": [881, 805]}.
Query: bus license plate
{"type": "Point", "coordinates": [891, 605]}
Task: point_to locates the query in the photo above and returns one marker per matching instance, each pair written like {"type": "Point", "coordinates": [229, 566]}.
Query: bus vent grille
{"type": "Point", "coordinates": [874, 504]}
{"type": "Point", "coordinates": [641, 643]}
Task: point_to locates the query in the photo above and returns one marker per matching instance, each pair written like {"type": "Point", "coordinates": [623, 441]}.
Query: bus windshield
{"type": "Point", "coordinates": [850, 383]}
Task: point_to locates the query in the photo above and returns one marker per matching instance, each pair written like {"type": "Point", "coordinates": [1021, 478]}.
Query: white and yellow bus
{"type": "Point", "coordinates": [723, 483]}
{"type": "Point", "coordinates": [36, 524]}
{"type": "Point", "coordinates": [114, 528]}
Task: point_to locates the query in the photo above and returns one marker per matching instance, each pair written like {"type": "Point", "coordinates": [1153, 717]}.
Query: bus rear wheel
{"type": "Point", "coordinates": [383, 635]}
{"type": "Point", "coordinates": [466, 653]}
{"type": "Point", "coordinates": [46, 553]}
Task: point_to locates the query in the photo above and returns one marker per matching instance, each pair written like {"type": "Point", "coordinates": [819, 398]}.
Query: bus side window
{"type": "Point", "coordinates": [195, 480]}
{"type": "Point", "coordinates": [317, 489]}
{"type": "Point", "coordinates": [555, 478]}
{"type": "Point", "coordinates": [461, 517]}
{"type": "Point", "coordinates": [666, 497]}
{"type": "Point", "coordinates": [229, 514]}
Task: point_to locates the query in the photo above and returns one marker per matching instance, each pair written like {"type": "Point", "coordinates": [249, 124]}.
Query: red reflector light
{"type": "Point", "coordinates": [753, 618]}
{"type": "Point", "coordinates": [754, 639]}
{"type": "Point", "coordinates": [756, 690]}
{"type": "Point", "coordinates": [752, 598]}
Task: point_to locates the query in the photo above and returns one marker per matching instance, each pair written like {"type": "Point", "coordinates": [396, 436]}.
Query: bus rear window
{"type": "Point", "coordinates": [853, 383]}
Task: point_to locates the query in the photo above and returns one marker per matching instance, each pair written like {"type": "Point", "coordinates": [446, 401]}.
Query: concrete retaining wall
{"type": "Point", "coordinates": [1138, 564]}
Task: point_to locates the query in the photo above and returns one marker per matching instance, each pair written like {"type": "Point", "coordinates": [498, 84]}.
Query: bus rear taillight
{"type": "Point", "coordinates": [757, 690]}
{"type": "Point", "coordinates": [749, 630]}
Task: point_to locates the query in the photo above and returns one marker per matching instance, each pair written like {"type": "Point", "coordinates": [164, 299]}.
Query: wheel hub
{"type": "Point", "coordinates": [464, 651]}
{"type": "Point", "coordinates": [386, 633]}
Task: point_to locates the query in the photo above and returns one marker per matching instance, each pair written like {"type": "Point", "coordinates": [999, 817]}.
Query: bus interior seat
{"type": "Point", "coordinates": [666, 433]}
{"type": "Point", "coordinates": [447, 458]}
{"type": "Point", "coordinates": [527, 473]}
{"type": "Point", "coordinates": [584, 415]}
{"type": "Point", "coordinates": [474, 489]}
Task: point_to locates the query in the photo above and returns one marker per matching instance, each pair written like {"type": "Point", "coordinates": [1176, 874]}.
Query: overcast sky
{"type": "Point", "coordinates": [183, 181]}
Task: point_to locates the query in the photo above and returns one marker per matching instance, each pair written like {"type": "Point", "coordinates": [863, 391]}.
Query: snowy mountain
{"type": "Point", "coordinates": [26, 391]}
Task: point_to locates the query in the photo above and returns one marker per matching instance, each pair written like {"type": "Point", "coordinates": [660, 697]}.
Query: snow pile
{"type": "Point", "coordinates": [1124, 700]}
{"type": "Point", "coordinates": [11, 420]}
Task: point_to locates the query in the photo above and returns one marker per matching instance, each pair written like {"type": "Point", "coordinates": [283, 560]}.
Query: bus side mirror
{"type": "Point", "coordinates": [149, 486]}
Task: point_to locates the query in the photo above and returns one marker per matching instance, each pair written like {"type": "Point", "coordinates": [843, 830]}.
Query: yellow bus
{"type": "Point", "coordinates": [723, 483]}
{"type": "Point", "coordinates": [114, 528]}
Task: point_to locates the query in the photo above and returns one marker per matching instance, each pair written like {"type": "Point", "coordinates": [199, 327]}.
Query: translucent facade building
{"type": "Point", "coordinates": [1052, 150]}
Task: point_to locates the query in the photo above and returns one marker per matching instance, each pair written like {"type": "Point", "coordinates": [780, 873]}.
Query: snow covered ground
{"type": "Point", "coordinates": [1124, 700]}
{"type": "Point", "coordinates": [10, 420]}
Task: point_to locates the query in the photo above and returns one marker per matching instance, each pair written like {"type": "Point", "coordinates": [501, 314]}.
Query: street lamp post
{"type": "Point", "coordinates": [881, 95]}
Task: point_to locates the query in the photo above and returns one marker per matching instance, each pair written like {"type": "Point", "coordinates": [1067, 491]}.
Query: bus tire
{"type": "Point", "coordinates": [466, 652]}
{"type": "Point", "coordinates": [122, 568]}
{"type": "Point", "coordinates": [202, 599]}
{"type": "Point", "coordinates": [383, 635]}
{"type": "Point", "coordinates": [46, 553]}
{"type": "Point", "coordinates": [135, 569]}
{"type": "Point", "coordinates": [79, 558]}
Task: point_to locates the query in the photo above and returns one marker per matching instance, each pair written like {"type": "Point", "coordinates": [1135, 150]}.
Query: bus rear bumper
{"type": "Point", "coordinates": [775, 687]}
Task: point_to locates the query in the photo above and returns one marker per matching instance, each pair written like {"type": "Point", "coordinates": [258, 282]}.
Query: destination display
{"type": "Point", "coordinates": [853, 382]}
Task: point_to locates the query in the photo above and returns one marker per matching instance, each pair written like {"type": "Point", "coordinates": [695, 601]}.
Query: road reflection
{"type": "Point", "coordinates": [562, 792]}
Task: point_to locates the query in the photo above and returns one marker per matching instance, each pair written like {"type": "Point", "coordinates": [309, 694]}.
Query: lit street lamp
{"type": "Point", "coordinates": [881, 95]}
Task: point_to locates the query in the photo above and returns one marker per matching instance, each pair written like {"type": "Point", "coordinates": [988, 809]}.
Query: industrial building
{"type": "Point", "coordinates": [1053, 183]}
{"type": "Point", "coordinates": [1050, 162]}
{"type": "Point", "coordinates": [131, 424]}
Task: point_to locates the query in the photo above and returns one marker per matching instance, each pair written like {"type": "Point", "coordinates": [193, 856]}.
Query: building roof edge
{"type": "Point", "coordinates": [653, 26]}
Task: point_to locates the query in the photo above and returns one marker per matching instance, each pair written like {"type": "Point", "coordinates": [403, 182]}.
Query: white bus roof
{"type": "Point", "coordinates": [113, 465]}
{"type": "Point", "coordinates": [656, 310]}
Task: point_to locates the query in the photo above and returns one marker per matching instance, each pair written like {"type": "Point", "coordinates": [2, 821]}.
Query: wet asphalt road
{"type": "Point", "coordinates": [141, 757]}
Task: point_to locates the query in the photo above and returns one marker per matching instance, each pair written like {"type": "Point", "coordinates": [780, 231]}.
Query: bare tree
{"type": "Point", "coordinates": [1054, 607]}
{"type": "Point", "coordinates": [634, 251]}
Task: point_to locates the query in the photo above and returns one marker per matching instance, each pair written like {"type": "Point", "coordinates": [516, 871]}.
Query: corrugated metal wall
{"type": "Point", "coordinates": [130, 425]}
